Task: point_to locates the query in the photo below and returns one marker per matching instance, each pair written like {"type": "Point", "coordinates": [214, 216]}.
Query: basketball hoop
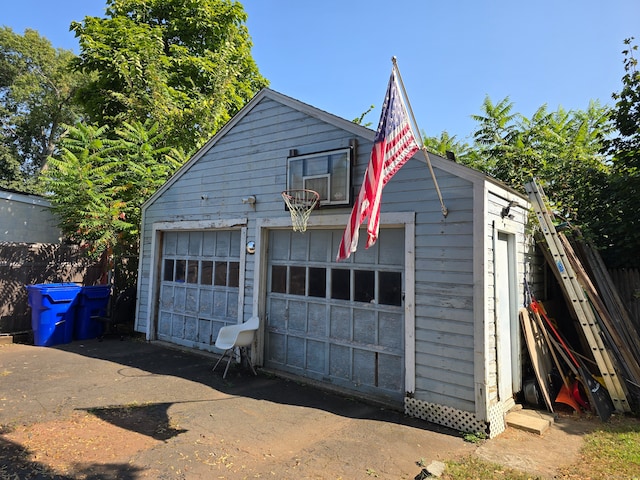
{"type": "Point", "coordinates": [300, 203]}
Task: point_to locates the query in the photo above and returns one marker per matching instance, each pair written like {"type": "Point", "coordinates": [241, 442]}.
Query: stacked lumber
{"type": "Point", "coordinates": [620, 334]}
{"type": "Point", "coordinates": [611, 347]}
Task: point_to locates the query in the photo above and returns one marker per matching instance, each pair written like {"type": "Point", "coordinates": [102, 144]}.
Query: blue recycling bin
{"type": "Point", "coordinates": [92, 301]}
{"type": "Point", "coordinates": [52, 312]}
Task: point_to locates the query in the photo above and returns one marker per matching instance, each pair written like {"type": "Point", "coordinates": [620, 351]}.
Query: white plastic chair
{"type": "Point", "coordinates": [236, 336]}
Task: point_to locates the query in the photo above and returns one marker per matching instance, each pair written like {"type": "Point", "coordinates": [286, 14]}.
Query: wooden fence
{"type": "Point", "coordinates": [24, 264]}
{"type": "Point", "coordinates": [627, 282]}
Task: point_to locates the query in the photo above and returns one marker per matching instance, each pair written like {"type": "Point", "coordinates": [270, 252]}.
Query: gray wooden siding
{"type": "Point", "coordinates": [496, 202]}
{"type": "Point", "coordinates": [250, 159]}
{"type": "Point", "coordinates": [444, 331]}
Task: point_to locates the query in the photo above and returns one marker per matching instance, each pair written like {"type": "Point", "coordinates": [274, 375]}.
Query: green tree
{"type": "Point", "coordinates": [626, 115]}
{"type": "Point", "coordinates": [496, 136]}
{"type": "Point", "coordinates": [11, 176]}
{"type": "Point", "coordinates": [573, 165]}
{"type": "Point", "coordinates": [621, 224]}
{"type": "Point", "coordinates": [561, 149]}
{"type": "Point", "coordinates": [359, 120]}
{"type": "Point", "coordinates": [446, 145]}
{"type": "Point", "coordinates": [99, 181]}
{"type": "Point", "coordinates": [185, 64]}
{"type": "Point", "coordinates": [37, 88]}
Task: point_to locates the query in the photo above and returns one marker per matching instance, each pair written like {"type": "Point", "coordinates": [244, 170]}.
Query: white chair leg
{"type": "Point", "coordinates": [244, 350]}
{"type": "Point", "coordinates": [228, 363]}
{"type": "Point", "coordinates": [230, 353]}
{"type": "Point", "coordinates": [219, 360]}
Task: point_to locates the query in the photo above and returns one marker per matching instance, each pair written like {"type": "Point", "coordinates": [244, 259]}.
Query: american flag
{"type": "Point", "coordinates": [393, 145]}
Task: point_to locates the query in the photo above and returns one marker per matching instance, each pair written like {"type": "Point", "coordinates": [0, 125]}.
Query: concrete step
{"type": "Point", "coordinates": [530, 420]}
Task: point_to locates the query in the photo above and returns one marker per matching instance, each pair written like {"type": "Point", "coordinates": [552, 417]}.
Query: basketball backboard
{"type": "Point", "coordinates": [328, 173]}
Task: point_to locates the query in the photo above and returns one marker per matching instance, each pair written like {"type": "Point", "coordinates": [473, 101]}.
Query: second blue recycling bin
{"type": "Point", "coordinates": [52, 312]}
{"type": "Point", "coordinates": [92, 301]}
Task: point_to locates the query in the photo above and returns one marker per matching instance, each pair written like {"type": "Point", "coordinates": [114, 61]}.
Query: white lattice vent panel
{"type": "Point", "coordinates": [497, 423]}
{"type": "Point", "coordinates": [447, 416]}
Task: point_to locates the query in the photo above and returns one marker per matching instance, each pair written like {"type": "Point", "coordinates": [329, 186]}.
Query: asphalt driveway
{"type": "Point", "coordinates": [131, 409]}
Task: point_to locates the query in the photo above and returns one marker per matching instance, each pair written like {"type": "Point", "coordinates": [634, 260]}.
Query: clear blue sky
{"type": "Point", "coordinates": [336, 55]}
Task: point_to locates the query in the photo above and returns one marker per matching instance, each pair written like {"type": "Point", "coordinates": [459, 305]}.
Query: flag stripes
{"type": "Point", "coordinates": [404, 140]}
{"type": "Point", "coordinates": [393, 145]}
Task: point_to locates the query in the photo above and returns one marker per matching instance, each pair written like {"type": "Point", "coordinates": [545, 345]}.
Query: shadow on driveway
{"type": "Point", "coordinates": [195, 421]}
{"type": "Point", "coordinates": [140, 360]}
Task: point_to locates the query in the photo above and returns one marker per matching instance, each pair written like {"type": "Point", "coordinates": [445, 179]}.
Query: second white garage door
{"type": "Point", "coordinates": [341, 323]}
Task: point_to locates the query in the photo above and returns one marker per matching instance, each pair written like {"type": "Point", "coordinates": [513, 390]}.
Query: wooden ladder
{"type": "Point", "coordinates": [579, 300]}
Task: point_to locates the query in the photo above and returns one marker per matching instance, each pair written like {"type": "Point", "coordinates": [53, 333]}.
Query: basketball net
{"type": "Point", "coordinates": [300, 203]}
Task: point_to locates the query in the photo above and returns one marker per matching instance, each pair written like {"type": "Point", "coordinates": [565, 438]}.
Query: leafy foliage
{"type": "Point", "coordinates": [359, 120]}
{"type": "Point", "coordinates": [552, 146]}
{"type": "Point", "coordinates": [622, 222]}
{"type": "Point", "coordinates": [98, 183]}
{"type": "Point", "coordinates": [11, 176]}
{"type": "Point", "coordinates": [36, 98]}
{"type": "Point", "coordinates": [185, 64]}
{"type": "Point", "coordinates": [154, 80]}
{"type": "Point", "coordinates": [626, 116]}
{"type": "Point", "coordinates": [448, 146]}
{"type": "Point", "coordinates": [588, 161]}
{"type": "Point", "coordinates": [561, 149]}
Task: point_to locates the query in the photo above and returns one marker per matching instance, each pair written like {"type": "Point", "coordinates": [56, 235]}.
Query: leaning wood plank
{"type": "Point", "coordinates": [586, 317]}
{"type": "Point", "coordinates": [577, 299]}
{"type": "Point", "coordinates": [540, 324]}
{"type": "Point", "coordinates": [613, 302]}
{"type": "Point", "coordinates": [594, 296]}
{"type": "Point", "coordinates": [539, 354]}
{"type": "Point", "coordinates": [619, 337]}
{"type": "Point", "coordinates": [626, 281]}
{"type": "Point", "coordinates": [606, 331]}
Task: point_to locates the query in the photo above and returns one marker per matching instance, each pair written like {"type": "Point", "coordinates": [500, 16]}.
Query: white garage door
{"type": "Point", "coordinates": [341, 323]}
{"type": "Point", "coordinates": [199, 286]}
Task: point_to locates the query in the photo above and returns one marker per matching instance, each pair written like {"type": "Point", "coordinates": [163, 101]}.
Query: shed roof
{"type": "Point", "coordinates": [15, 196]}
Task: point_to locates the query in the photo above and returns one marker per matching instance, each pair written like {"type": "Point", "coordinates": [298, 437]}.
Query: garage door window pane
{"type": "Point", "coordinates": [234, 274]}
{"type": "Point", "coordinates": [340, 284]}
{"type": "Point", "coordinates": [192, 271]}
{"type": "Point", "coordinates": [207, 272]}
{"type": "Point", "coordinates": [297, 280]}
{"type": "Point", "coordinates": [390, 291]}
{"type": "Point", "coordinates": [364, 281]}
{"type": "Point", "coordinates": [317, 282]}
{"type": "Point", "coordinates": [168, 270]}
{"type": "Point", "coordinates": [221, 274]}
{"type": "Point", "coordinates": [181, 267]}
{"type": "Point", "coordinates": [279, 279]}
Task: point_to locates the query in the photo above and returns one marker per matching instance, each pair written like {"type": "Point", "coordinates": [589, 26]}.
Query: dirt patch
{"type": "Point", "coordinates": [76, 445]}
{"type": "Point", "coordinates": [543, 455]}
{"type": "Point", "coordinates": [138, 442]}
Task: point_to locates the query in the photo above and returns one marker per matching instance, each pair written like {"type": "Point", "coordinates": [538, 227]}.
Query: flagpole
{"type": "Point", "coordinates": [445, 212]}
